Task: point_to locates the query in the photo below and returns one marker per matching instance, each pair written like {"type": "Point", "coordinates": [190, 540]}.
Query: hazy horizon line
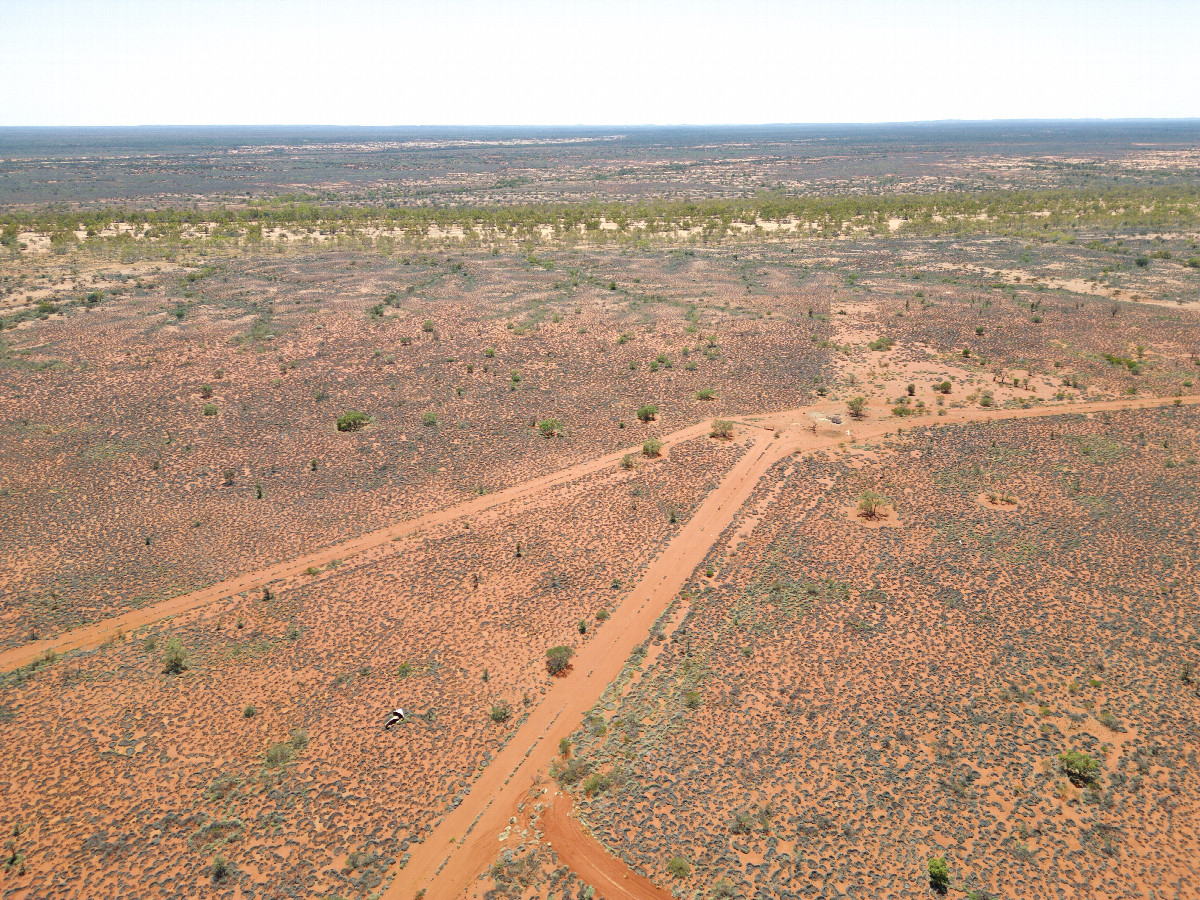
{"type": "Point", "coordinates": [616, 125]}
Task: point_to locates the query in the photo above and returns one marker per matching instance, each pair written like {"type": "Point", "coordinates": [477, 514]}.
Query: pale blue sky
{"type": "Point", "coordinates": [607, 62]}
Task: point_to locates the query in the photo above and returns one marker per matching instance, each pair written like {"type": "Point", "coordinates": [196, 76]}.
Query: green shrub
{"type": "Point", "coordinates": [1193, 262]}
{"type": "Point", "coordinates": [249, 712]}
{"type": "Point", "coordinates": [883, 343]}
{"type": "Point", "coordinates": [210, 409]}
{"type": "Point", "coordinates": [706, 394]}
{"type": "Point", "coordinates": [558, 659]}
{"type": "Point", "coordinates": [627, 461]}
{"type": "Point", "coordinates": [550, 427]}
{"type": "Point", "coordinates": [174, 657]}
{"type": "Point", "coordinates": [501, 712]}
{"type": "Point", "coordinates": [679, 867]}
{"type": "Point", "coordinates": [427, 326]}
{"type": "Point", "coordinates": [429, 418]}
{"type": "Point", "coordinates": [570, 772]}
{"type": "Point", "coordinates": [721, 428]}
{"type": "Point", "coordinates": [857, 406]}
{"type": "Point", "coordinates": [939, 875]}
{"type": "Point", "coordinates": [652, 447]}
{"type": "Point", "coordinates": [206, 391]}
{"type": "Point", "coordinates": [1079, 767]}
{"type": "Point", "coordinates": [647, 413]}
{"type": "Point", "coordinates": [220, 869]}
{"type": "Point", "coordinates": [353, 421]}
{"type": "Point", "coordinates": [597, 783]}
{"type": "Point", "coordinates": [278, 755]}
{"type": "Point", "coordinates": [871, 504]}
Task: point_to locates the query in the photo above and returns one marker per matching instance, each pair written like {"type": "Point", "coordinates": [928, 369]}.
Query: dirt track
{"type": "Point", "coordinates": [587, 858]}
{"type": "Point", "coordinates": [446, 869]}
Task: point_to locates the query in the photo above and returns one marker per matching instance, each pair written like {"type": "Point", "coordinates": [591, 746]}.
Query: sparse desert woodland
{"type": "Point", "coordinates": [836, 541]}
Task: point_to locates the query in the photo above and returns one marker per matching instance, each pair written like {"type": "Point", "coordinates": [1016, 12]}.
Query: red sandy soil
{"type": "Point", "coordinates": [97, 634]}
{"type": "Point", "coordinates": [94, 635]}
{"type": "Point", "coordinates": [588, 858]}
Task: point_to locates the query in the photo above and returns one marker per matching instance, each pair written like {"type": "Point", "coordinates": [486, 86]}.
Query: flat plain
{"type": "Point", "coordinates": [856, 471]}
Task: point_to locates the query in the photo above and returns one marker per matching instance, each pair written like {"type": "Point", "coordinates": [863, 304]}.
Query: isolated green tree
{"type": "Point", "coordinates": [174, 657]}
{"type": "Point", "coordinates": [558, 659]}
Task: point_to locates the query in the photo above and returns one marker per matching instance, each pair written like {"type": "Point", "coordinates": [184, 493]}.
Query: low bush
{"type": "Point", "coordinates": [871, 505]}
{"type": "Point", "coordinates": [174, 657]}
{"type": "Point", "coordinates": [220, 869]}
{"type": "Point", "coordinates": [353, 420]}
{"type": "Point", "coordinates": [679, 867]}
{"type": "Point", "coordinates": [558, 659]}
{"type": "Point", "coordinates": [721, 428]}
{"type": "Point", "coordinates": [939, 875]}
{"type": "Point", "coordinates": [1079, 767]}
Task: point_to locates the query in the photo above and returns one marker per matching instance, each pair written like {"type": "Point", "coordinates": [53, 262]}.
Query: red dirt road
{"type": "Point", "coordinates": [444, 869]}
{"type": "Point", "coordinates": [587, 857]}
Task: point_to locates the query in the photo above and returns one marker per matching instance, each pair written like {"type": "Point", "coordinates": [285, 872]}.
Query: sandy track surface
{"type": "Point", "coordinates": [587, 857]}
